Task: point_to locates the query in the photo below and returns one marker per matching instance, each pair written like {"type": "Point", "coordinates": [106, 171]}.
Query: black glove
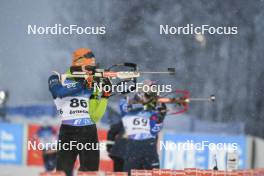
{"type": "Point", "coordinates": [109, 147]}
{"type": "Point", "coordinates": [162, 109]}
{"type": "Point", "coordinates": [107, 84]}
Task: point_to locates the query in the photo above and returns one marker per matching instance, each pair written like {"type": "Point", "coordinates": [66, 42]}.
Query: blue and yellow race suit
{"type": "Point", "coordinates": [76, 104]}
{"type": "Point", "coordinates": [79, 108]}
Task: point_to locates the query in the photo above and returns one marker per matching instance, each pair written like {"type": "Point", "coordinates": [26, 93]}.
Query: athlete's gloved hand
{"type": "Point", "coordinates": [109, 147]}
{"type": "Point", "coordinates": [162, 110]}
{"type": "Point", "coordinates": [95, 94]}
{"type": "Point", "coordinates": [107, 88]}
{"type": "Point", "coordinates": [106, 94]}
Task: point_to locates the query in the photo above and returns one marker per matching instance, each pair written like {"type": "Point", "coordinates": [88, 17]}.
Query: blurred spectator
{"type": "Point", "coordinates": [47, 134]}
{"type": "Point", "coordinates": [3, 100]}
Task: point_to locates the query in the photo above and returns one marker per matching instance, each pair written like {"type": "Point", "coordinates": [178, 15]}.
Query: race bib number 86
{"type": "Point", "coordinates": [75, 102]}
{"type": "Point", "coordinates": [72, 107]}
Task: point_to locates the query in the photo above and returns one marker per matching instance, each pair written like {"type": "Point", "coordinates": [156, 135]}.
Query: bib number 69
{"type": "Point", "coordinates": [139, 121]}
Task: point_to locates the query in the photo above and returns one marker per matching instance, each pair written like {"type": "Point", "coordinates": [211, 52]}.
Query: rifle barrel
{"type": "Point", "coordinates": [211, 98]}
{"type": "Point", "coordinates": [200, 99]}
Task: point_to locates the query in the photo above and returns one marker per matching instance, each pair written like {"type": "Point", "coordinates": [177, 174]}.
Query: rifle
{"type": "Point", "coordinates": [92, 74]}
{"type": "Point", "coordinates": [183, 101]}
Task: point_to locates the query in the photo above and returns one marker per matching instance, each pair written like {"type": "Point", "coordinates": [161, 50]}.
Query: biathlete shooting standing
{"type": "Point", "coordinates": [141, 122]}
{"type": "Point", "coordinates": [142, 126]}
{"type": "Point", "coordinates": [79, 108]}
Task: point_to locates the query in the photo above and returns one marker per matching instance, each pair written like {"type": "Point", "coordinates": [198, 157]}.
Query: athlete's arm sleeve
{"type": "Point", "coordinates": [155, 124]}
{"type": "Point", "coordinates": [97, 108]}
{"type": "Point", "coordinates": [57, 90]}
{"type": "Point", "coordinates": [123, 106]}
